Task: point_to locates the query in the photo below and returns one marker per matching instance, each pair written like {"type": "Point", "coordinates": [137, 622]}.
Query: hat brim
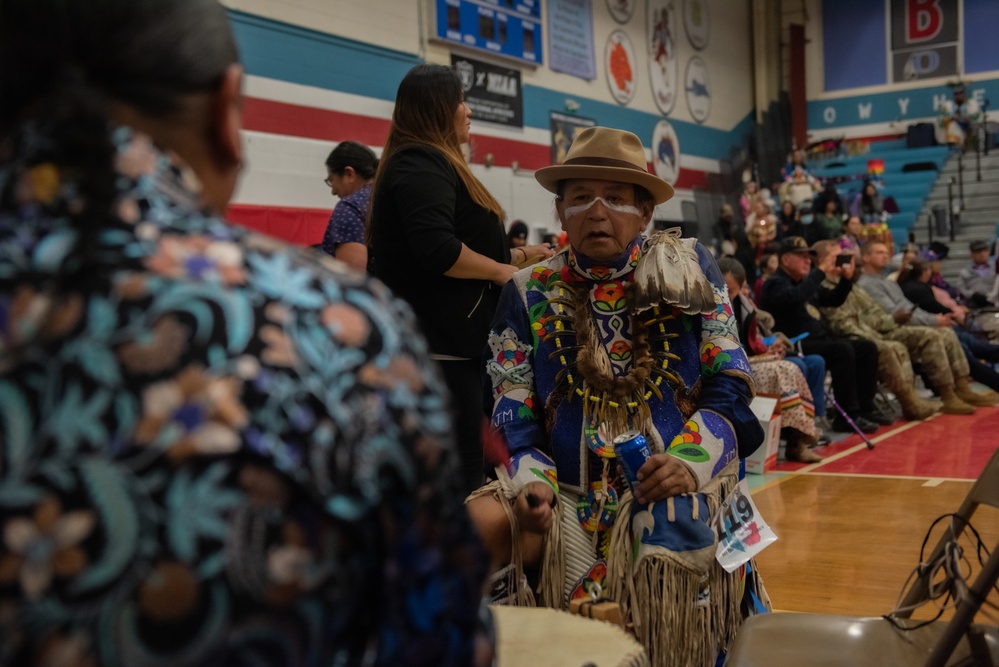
{"type": "Point", "coordinates": [792, 251]}
{"type": "Point", "coordinates": [549, 178]}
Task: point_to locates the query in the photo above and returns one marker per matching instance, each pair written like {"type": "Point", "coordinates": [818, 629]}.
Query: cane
{"type": "Point", "coordinates": [863, 436]}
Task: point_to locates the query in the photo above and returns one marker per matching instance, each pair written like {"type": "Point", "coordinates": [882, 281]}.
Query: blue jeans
{"type": "Point", "coordinates": [979, 348]}
{"type": "Point", "coordinates": [975, 350]}
{"type": "Point", "coordinates": [813, 367]}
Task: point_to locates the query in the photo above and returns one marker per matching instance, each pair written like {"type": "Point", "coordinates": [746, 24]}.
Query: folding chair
{"type": "Point", "coordinates": [821, 640]}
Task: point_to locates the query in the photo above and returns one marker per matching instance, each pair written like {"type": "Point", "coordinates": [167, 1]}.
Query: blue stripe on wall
{"type": "Point", "coordinates": [853, 44]}
{"type": "Point", "coordinates": [886, 107]}
{"type": "Point", "coordinates": [695, 139]}
{"type": "Point", "coordinates": [290, 53]}
{"type": "Point", "coordinates": [981, 47]}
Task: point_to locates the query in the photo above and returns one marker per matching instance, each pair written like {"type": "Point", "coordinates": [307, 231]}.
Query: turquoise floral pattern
{"type": "Point", "coordinates": [214, 449]}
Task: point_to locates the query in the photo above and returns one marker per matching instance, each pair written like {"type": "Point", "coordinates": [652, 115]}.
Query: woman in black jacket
{"type": "Point", "coordinates": [981, 355]}
{"type": "Point", "coordinates": [437, 240]}
{"type": "Point", "coordinates": [915, 283]}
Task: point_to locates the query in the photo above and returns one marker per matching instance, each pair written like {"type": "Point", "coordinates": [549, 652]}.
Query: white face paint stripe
{"type": "Point", "coordinates": [582, 208]}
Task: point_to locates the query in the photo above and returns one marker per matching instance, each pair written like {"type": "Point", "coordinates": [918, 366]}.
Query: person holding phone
{"type": "Point", "coordinates": [899, 344]}
{"type": "Point", "coordinates": [792, 295]}
{"type": "Point", "coordinates": [894, 296]}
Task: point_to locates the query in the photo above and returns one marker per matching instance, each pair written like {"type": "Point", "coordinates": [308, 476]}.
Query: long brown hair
{"type": "Point", "coordinates": [424, 115]}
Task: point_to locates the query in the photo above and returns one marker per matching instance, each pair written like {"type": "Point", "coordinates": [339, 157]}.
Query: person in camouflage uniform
{"type": "Point", "coordinates": [938, 350]}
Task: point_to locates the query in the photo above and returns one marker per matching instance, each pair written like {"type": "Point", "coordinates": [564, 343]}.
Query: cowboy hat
{"type": "Point", "coordinates": [606, 154]}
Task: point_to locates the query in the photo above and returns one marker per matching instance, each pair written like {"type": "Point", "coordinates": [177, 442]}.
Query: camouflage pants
{"type": "Point", "coordinates": [894, 366]}
{"type": "Point", "coordinates": [936, 349]}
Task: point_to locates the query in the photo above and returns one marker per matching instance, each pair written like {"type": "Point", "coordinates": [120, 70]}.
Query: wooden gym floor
{"type": "Point", "coordinates": [850, 528]}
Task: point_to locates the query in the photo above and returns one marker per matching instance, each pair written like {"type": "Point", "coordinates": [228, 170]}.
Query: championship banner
{"type": "Point", "coordinates": [493, 93]}
{"type": "Point", "coordinates": [924, 39]}
{"type": "Point", "coordinates": [564, 130]}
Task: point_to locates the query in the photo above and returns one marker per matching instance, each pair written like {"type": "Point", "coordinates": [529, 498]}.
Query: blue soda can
{"type": "Point", "coordinates": [632, 450]}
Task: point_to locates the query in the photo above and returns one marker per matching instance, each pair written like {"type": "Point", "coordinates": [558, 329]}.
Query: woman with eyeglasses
{"type": "Point", "coordinates": [350, 170]}
{"type": "Point", "coordinates": [438, 241]}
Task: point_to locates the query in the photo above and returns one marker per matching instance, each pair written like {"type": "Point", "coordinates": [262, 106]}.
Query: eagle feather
{"type": "Point", "coordinates": [670, 274]}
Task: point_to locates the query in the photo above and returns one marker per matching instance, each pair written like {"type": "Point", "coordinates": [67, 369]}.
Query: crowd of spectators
{"type": "Point", "coordinates": [809, 263]}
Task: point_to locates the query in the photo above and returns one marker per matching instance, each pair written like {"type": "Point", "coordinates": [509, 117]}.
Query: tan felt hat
{"type": "Point", "coordinates": [606, 154]}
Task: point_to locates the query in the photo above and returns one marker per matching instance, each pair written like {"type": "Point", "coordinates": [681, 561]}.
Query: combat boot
{"type": "Point", "coordinates": [952, 404]}
{"type": "Point", "coordinates": [982, 399]}
{"type": "Point", "coordinates": [915, 408]}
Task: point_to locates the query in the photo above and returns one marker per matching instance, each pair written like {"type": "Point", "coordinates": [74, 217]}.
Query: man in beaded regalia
{"type": "Point", "coordinates": [620, 332]}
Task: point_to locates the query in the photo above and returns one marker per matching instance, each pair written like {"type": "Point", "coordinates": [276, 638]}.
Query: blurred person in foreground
{"type": "Point", "coordinates": [619, 334]}
{"type": "Point", "coordinates": [218, 449]}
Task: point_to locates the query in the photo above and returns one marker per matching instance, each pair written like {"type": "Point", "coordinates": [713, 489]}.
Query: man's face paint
{"type": "Point", "coordinates": [573, 211]}
{"type": "Point", "coordinates": [602, 233]}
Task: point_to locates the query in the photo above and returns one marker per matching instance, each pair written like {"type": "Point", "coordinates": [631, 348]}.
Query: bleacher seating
{"type": "Point", "coordinates": [909, 175]}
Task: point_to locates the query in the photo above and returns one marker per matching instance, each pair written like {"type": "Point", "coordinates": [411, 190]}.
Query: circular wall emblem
{"type": "Point", "coordinates": [621, 10]}
{"type": "Point", "coordinates": [666, 152]}
{"type": "Point", "coordinates": [695, 20]}
{"type": "Point", "coordinates": [661, 24]}
{"type": "Point", "coordinates": [697, 85]}
{"type": "Point", "coordinates": [619, 64]}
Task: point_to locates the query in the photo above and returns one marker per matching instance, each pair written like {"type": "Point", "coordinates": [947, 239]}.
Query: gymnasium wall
{"type": "Point", "coordinates": [324, 71]}
{"type": "Point", "coordinates": [877, 66]}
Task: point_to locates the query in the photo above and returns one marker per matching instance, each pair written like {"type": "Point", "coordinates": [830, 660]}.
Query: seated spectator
{"type": "Point", "coordinates": [902, 260]}
{"type": "Point", "coordinates": [934, 256]}
{"type": "Point", "coordinates": [761, 227]}
{"type": "Point", "coordinates": [915, 285]}
{"type": "Point", "coordinates": [829, 194]}
{"type": "Point", "coordinates": [978, 281]}
{"type": "Point", "coordinates": [789, 221]}
{"type": "Point", "coordinates": [799, 187]}
{"type": "Point", "coordinates": [912, 293]}
{"type": "Point", "coordinates": [795, 162]}
{"type": "Point", "coordinates": [776, 375]}
{"type": "Point", "coordinates": [938, 350]}
{"type": "Point", "coordinates": [956, 117]}
{"type": "Point", "coordinates": [853, 236]}
{"type": "Point", "coordinates": [828, 222]}
{"type": "Point", "coordinates": [218, 449]}
{"type": "Point", "coordinates": [747, 200]}
{"type": "Point", "coordinates": [768, 264]}
{"type": "Point", "coordinates": [867, 205]}
{"type": "Point", "coordinates": [730, 240]}
{"type": "Point", "coordinates": [791, 295]}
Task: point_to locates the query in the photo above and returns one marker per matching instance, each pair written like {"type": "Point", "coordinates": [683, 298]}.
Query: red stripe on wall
{"type": "Point", "coordinates": [294, 120]}
{"type": "Point", "coordinates": [312, 123]}
{"type": "Point", "coordinates": [690, 179]}
{"type": "Point", "coordinates": [303, 226]}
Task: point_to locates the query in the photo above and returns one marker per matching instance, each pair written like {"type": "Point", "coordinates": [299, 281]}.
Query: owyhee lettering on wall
{"type": "Point", "coordinates": [493, 93]}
